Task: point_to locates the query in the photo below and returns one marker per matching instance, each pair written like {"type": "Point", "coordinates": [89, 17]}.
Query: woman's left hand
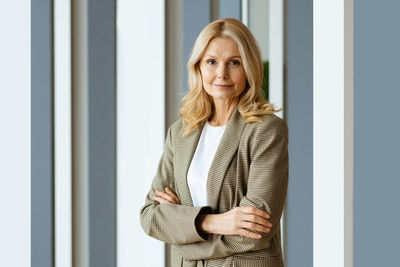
{"type": "Point", "coordinates": [168, 196]}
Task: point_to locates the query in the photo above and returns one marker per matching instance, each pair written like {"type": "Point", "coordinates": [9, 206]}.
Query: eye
{"type": "Point", "coordinates": [210, 61]}
{"type": "Point", "coordinates": [235, 62]}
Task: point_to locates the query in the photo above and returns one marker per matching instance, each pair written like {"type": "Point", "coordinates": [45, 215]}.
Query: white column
{"type": "Point", "coordinates": [15, 134]}
{"type": "Point", "coordinates": [333, 133]}
{"type": "Point", "coordinates": [276, 48]}
{"type": "Point", "coordinates": [276, 59]}
{"type": "Point", "coordinates": [245, 12]}
{"type": "Point", "coordinates": [140, 123]}
{"type": "Point", "coordinates": [62, 133]}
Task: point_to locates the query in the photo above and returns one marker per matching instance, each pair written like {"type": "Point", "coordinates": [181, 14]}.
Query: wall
{"type": "Point", "coordinates": [15, 133]}
{"type": "Point", "coordinates": [376, 133]}
{"type": "Point", "coordinates": [299, 116]}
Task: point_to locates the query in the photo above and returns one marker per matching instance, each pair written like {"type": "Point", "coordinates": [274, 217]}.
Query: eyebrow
{"type": "Point", "coordinates": [229, 57]}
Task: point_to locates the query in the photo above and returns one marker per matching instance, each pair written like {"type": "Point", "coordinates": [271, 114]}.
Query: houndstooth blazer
{"type": "Point", "coordinates": [250, 168]}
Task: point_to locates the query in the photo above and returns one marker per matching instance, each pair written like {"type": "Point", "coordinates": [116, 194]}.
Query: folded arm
{"type": "Point", "coordinates": [171, 223]}
{"type": "Point", "coordinates": [266, 190]}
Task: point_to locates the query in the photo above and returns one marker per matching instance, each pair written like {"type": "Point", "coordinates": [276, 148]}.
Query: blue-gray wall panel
{"type": "Point", "coordinates": [376, 133]}
{"type": "Point", "coordinates": [42, 228]}
{"type": "Point", "coordinates": [299, 116]}
{"type": "Point", "coordinates": [230, 9]}
{"type": "Point", "coordinates": [196, 15]}
{"type": "Point", "coordinates": [102, 133]}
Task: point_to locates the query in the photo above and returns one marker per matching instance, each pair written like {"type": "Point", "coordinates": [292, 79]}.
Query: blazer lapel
{"type": "Point", "coordinates": [183, 156]}
{"type": "Point", "coordinates": [226, 150]}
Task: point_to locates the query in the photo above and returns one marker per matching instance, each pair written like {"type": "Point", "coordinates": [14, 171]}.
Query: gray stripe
{"type": "Point", "coordinates": [196, 15]}
{"type": "Point", "coordinates": [42, 170]}
{"type": "Point", "coordinates": [230, 9]}
{"type": "Point", "coordinates": [102, 128]}
{"type": "Point", "coordinates": [376, 133]}
{"type": "Point", "coordinates": [299, 115]}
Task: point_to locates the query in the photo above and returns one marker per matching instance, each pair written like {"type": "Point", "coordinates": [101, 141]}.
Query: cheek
{"type": "Point", "coordinates": [207, 76]}
{"type": "Point", "coordinates": [240, 78]}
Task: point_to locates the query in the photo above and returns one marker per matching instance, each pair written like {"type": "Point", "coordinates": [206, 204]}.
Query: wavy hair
{"type": "Point", "coordinates": [198, 105]}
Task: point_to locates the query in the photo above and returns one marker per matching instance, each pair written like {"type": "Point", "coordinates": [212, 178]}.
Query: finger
{"type": "Point", "coordinates": [247, 233]}
{"type": "Point", "coordinates": [162, 200]}
{"type": "Point", "coordinates": [170, 192]}
{"type": "Point", "coordinates": [254, 210]}
{"type": "Point", "coordinates": [165, 195]}
{"type": "Point", "coordinates": [255, 227]}
{"type": "Point", "coordinates": [256, 219]}
{"type": "Point", "coordinates": [168, 197]}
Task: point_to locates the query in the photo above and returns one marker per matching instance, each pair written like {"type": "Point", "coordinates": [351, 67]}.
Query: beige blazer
{"type": "Point", "coordinates": [250, 168]}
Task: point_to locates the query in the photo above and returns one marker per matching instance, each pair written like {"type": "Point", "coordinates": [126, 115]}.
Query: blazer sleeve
{"type": "Point", "coordinates": [173, 224]}
{"type": "Point", "coordinates": [266, 190]}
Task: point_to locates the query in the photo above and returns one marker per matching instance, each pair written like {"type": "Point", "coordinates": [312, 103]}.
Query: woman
{"type": "Point", "coordinates": [221, 182]}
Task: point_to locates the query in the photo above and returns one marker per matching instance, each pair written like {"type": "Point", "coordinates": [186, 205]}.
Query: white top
{"type": "Point", "coordinates": [201, 163]}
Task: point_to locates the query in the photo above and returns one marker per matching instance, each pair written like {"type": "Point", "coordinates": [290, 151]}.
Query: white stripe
{"type": "Point", "coordinates": [276, 46]}
{"type": "Point", "coordinates": [140, 123]}
{"type": "Point", "coordinates": [333, 133]}
{"type": "Point", "coordinates": [62, 133]}
{"type": "Point", "coordinates": [245, 12]}
{"type": "Point", "coordinates": [15, 134]}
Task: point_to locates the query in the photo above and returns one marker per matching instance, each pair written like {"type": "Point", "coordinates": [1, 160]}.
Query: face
{"type": "Point", "coordinates": [222, 70]}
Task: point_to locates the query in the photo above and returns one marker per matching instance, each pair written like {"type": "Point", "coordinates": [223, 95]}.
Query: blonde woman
{"type": "Point", "coordinates": [220, 186]}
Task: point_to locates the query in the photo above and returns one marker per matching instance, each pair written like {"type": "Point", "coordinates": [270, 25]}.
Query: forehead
{"type": "Point", "coordinates": [222, 47]}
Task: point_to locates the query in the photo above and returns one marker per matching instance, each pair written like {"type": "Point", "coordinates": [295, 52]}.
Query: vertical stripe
{"type": "Point", "coordinates": [333, 133]}
{"type": "Point", "coordinates": [80, 165]}
{"type": "Point", "coordinates": [174, 59]}
{"type": "Point", "coordinates": [196, 15]}
{"type": "Point", "coordinates": [62, 133]}
{"type": "Point", "coordinates": [275, 54]}
{"type": "Point", "coordinates": [299, 116]}
{"type": "Point", "coordinates": [348, 142]}
{"type": "Point", "coordinates": [15, 134]}
{"type": "Point", "coordinates": [42, 169]}
{"type": "Point", "coordinates": [376, 133]}
{"type": "Point", "coordinates": [245, 12]}
{"type": "Point", "coordinates": [140, 123]}
{"type": "Point", "coordinates": [229, 9]}
{"type": "Point", "coordinates": [102, 132]}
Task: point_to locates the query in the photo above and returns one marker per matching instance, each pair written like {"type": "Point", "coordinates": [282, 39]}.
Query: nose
{"type": "Point", "coordinates": [222, 72]}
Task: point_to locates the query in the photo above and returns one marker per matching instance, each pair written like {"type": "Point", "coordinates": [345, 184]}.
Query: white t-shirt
{"type": "Point", "coordinates": [201, 163]}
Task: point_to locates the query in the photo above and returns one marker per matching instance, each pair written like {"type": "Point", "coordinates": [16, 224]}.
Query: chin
{"type": "Point", "coordinates": [222, 96]}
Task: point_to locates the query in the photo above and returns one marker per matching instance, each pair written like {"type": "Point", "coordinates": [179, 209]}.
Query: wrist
{"type": "Point", "coordinates": [206, 223]}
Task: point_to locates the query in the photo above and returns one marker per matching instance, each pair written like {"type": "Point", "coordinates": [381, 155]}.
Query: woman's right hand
{"type": "Point", "coordinates": [237, 221]}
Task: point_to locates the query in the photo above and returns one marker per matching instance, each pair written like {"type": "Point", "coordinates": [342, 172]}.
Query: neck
{"type": "Point", "coordinates": [223, 111]}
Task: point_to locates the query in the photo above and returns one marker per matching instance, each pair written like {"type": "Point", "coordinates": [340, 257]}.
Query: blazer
{"type": "Point", "coordinates": [250, 168]}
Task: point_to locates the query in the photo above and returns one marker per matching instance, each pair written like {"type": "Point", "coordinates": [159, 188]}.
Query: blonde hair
{"type": "Point", "coordinates": [198, 106]}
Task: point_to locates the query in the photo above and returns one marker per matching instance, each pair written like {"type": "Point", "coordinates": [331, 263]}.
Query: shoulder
{"type": "Point", "coordinates": [270, 125]}
{"type": "Point", "coordinates": [175, 129]}
{"type": "Point", "coordinates": [271, 134]}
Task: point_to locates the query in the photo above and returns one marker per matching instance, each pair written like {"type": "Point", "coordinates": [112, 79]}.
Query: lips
{"type": "Point", "coordinates": [223, 85]}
